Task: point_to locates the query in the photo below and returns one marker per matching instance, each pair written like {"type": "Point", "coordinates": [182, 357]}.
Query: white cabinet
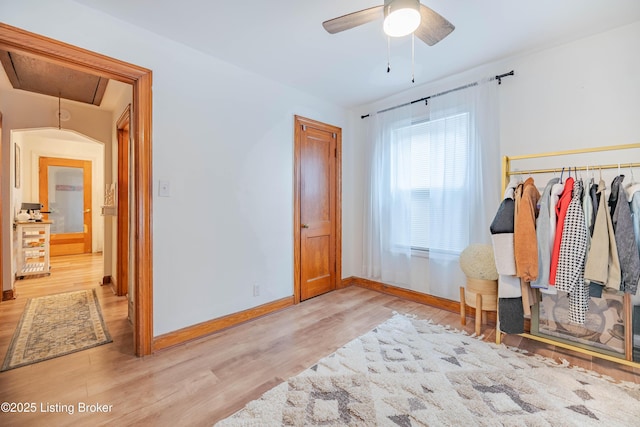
{"type": "Point", "coordinates": [32, 248]}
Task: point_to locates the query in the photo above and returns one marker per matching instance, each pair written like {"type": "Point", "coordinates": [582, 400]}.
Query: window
{"type": "Point", "coordinates": [439, 162]}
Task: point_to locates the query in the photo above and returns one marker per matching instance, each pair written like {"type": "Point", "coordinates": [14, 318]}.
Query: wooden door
{"type": "Point", "coordinates": [65, 192]}
{"type": "Point", "coordinates": [317, 216]}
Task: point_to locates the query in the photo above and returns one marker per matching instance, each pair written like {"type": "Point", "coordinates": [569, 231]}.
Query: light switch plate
{"type": "Point", "coordinates": [164, 189]}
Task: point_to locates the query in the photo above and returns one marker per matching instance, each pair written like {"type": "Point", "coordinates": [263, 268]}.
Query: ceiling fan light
{"type": "Point", "coordinates": [401, 17]}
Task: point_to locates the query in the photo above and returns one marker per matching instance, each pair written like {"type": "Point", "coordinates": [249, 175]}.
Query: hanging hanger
{"type": "Point", "coordinates": [561, 173]}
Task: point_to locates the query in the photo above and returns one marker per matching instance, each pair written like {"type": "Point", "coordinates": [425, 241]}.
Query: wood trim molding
{"type": "Point", "coordinates": [8, 295]}
{"type": "Point", "coordinates": [17, 40]}
{"type": "Point", "coordinates": [123, 129]}
{"type": "Point", "coordinates": [338, 208]}
{"type": "Point", "coordinates": [143, 214]}
{"type": "Point", "coordinates": [434, 301]}
{"type": "Point", "coordinates": [296, 212]}
{"type": "Point", "coordinates": [2, 209]}
{"type": "Point", "coordinates": [348, 281]}
{"type": "Point", "coordinates": [14, 39]}
{"type": "Point", "coordinates": [114, 286]}
{"type": "Point", "coordinates": [203, 329]}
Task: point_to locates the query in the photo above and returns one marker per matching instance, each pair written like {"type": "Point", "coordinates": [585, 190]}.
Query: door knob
{"type": "Point", "coordinates": [305, 225]}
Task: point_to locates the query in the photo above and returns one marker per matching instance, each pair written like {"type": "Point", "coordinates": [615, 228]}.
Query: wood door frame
{"type": "Point", "coordinates": [2, 291]}
{"type": "Point", "coordinates": [299, 121]}
{"type": "Point", "coordinates": [86, 166]}
{"type": "Point", "coordinates": [17, 40]}
{"type": "Point", "coordinates": [123, 126]}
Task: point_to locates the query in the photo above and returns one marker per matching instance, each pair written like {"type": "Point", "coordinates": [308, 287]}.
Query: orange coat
{"type": "Point", "coordinates": [525, 241]}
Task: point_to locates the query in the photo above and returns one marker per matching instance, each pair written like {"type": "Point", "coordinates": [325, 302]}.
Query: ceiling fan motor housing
{"type": "Point", "coordinates": [405, 19]}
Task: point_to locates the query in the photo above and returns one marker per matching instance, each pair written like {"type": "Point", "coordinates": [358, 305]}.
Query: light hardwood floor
{"type": "Point", "coordinates": [208, 379]}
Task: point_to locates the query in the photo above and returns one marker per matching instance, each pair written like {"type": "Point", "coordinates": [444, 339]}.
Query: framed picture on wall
{"type": "Point", "coordinates": [17, 167]}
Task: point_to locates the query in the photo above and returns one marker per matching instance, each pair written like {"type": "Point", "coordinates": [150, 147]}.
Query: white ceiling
{"type": "Point", "coordinates": [284, 39]}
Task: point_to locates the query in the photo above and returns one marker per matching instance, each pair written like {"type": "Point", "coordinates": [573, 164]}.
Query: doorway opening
{"type": "Point", "coordinates": [62, 171]}
{"type": "Point", "coordinates": [45, 49]}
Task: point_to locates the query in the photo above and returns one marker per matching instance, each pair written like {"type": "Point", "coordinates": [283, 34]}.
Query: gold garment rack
{"type": "Point", "coordinates": [506, 161]}
{"type": "Point", "coordinates": [506, 174]}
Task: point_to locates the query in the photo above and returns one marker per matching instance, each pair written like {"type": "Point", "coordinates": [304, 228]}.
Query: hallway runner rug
{"type": "Point", "coordinates": [410, 372]}
{"type": "Point", "coordinates": [56, 325]}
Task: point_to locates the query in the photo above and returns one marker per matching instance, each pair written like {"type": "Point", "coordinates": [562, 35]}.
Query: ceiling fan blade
{"type": "Point", "coordinates": [354, 19]}
{"type": "Point", "coordinates": [433, 26]}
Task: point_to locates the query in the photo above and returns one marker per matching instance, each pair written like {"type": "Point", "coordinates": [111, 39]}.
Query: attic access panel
{"type": "Point", "coordinates": [33, 75]}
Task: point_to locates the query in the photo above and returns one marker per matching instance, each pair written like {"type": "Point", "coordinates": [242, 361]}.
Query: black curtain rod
{"type": "Point", "coordinates": [426, 98]}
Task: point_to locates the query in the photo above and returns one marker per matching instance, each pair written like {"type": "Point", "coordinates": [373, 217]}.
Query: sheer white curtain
{"type": "Point", "coordinates": [466, 193]}
{"type": "Point", "coordinates": [387, 222]}
{"type": "Point", "coordinates": [461, 131]}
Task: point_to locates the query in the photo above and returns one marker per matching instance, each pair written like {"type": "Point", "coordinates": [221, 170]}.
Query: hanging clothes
{"type": "Point", "coordinates": [603, 265]}
{"type": "Point", "coordinates": [544, 236]}
{"type": "Point", "coordinates": [625, 239]}
{"type": "Point", "coordinates": [573, 251]}
{"type": "Point", "coordinates": [590, 203]}
{"type": "Point", "coordinates": [524, 236]}
{"type": "Point", "coordinates": [510, 311]}
{"type": "Point", "coordinates": [501, 229]}
{"type": "Point", "coordinates": [587, 208]}
{"type": "Point", "coordinates": [561, 212]}
{"type": "Point", "coordinates": [633, 196]}
{"type": "Point", "coordinates": [615, 192]}
{"type": "Point", "coordinates": [554, 198]}
{"type": "Point", "coordinates": [595, 201]}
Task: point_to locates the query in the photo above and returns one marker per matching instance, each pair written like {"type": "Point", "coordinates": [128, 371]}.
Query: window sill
{"type": "Point", "coordinates": [419, 253]}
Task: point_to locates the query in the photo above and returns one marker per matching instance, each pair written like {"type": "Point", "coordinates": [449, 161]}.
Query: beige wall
{"type": "Point", "coordinates": [24, 110]}
{"type": "Point", "coordinates": [122, 101]}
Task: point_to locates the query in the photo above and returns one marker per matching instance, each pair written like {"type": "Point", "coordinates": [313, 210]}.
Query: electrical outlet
{"type": "Point", "coordinates": [256, 290]}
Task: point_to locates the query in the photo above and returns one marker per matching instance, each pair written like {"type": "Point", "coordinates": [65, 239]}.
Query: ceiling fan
{"type": "Point", "coordinates": [401, 17]}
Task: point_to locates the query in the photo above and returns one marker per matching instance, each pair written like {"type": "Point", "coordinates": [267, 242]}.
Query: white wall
{"type": "Point", "coordinates": [223, 137]}
{"type": "Point", "coordinates": [581, 94]}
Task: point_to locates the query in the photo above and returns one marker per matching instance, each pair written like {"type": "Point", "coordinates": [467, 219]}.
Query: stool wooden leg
{"type": "Point", "coordinates": [463, 317]}
{"type": "Point", "coordinates": [478, 313]}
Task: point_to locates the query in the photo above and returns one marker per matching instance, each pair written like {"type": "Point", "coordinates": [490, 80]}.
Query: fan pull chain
{"type": "Point", "coordinates": [388, 54]}
{"type": "Point", "coordinates": [413, 57]}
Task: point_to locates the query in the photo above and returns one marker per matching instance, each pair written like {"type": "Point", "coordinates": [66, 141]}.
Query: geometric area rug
{"type": "Point", "coordinates": [55, 325]}
{"type": "Point", "coordinates": [410, 372]}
